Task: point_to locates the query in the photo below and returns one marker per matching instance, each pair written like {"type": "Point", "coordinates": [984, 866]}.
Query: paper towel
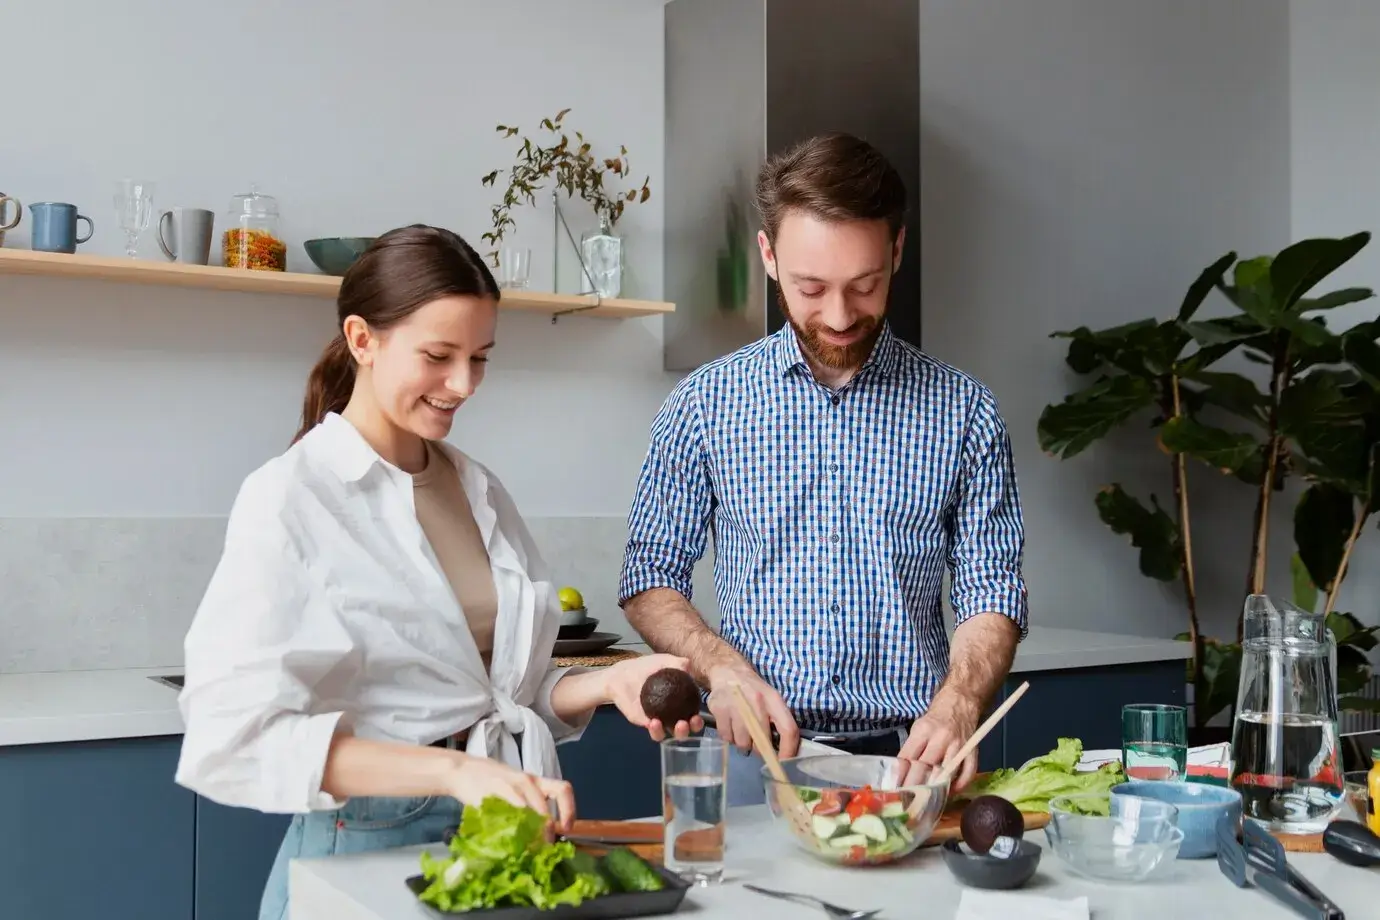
{"type": "Point", "coordinates": [1015, 905]}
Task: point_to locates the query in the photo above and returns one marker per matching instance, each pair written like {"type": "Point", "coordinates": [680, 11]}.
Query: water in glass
{"type": "Point", "coordinates": [694, 773]}
{"type": "Point", "coordinates": [1285, 758]}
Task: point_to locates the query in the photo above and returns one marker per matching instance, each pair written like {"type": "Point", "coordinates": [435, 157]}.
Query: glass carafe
{"type": "Point", "coordinates": [1285, 758]}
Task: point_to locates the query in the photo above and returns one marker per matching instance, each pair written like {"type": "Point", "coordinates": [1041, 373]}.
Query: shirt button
{"type": "Point", "coordinates": [833, 467]}
{"type": "Point", "coordinates": [834, 400]}
{"type": "Point", "coordinates": [837, 680]}
{"type": "Point", "coordinates": [835, 608]}
{"type": "Point", "coordinates": [833, 538]}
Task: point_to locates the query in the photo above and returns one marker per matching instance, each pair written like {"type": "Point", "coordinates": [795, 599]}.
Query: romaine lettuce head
{"type": "Point", "coordinates": [1042, 778]}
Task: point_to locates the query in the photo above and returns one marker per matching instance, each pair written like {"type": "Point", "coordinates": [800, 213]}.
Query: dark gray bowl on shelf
{"type": "Point", "coordinates": [335, 254]}
{"type": "Point", "coordinates": [979, 870]}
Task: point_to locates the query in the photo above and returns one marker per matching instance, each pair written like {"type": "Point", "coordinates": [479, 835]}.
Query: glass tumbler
{"type": "Point", "coordinates": [694, 800]}
{"type": "Point", "coordinates": [1154, 741]}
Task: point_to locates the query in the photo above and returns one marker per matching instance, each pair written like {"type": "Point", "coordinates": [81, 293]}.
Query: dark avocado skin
{"type": "Point", "coordinates": [670, 696]}
{"type": "Point", "coordinates": [988, 817]}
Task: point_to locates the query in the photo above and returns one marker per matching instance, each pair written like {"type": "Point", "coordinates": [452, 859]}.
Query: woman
{"type": "Point", "coordinates": [374, 648]}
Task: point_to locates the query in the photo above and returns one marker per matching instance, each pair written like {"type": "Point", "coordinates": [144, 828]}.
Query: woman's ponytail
{"type": "Point", "coordinates": [329, 385]}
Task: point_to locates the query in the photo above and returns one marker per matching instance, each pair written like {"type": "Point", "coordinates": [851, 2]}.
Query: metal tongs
{"type": "Point", "coordinates": [1260, 858]}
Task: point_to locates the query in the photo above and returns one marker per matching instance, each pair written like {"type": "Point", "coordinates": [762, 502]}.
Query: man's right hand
{"type": "Point", "coordinates": [766, 704]}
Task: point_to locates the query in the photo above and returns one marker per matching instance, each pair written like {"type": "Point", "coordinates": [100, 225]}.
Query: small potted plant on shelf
{"type": "Point", "coordinates": [574, 169]}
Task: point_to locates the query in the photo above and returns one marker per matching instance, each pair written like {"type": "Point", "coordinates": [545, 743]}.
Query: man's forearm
{"type": "Point", "coordinates": [669, 623]}
{"type": "Point", "coordinates": [980, 659]}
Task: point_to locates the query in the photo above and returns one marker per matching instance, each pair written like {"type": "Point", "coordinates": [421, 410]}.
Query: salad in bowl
{"type": "Point", "coordinates": [855, 810]}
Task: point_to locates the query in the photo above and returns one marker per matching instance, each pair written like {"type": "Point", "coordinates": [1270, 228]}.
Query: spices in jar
{"type": "Point", "coordinates": [254, 249]}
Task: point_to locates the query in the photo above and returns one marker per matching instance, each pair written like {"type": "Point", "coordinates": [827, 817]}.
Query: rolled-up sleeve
{"type": "Point", "coordinates": [987, 533]}
{"type": "Point", "coordinates": [669, 522]}
{"type": "Point", "coordinates": [258, 643]}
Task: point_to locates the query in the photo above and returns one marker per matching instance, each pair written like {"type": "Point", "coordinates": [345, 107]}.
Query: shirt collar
{"type": "Point", "coordinates": [340, 447]}
{"type": "Point", "coordinates": [886, 352]}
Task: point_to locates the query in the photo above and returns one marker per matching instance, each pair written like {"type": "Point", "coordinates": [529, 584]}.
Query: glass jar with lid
{"type": "Point", "coordinates": [251, 238]}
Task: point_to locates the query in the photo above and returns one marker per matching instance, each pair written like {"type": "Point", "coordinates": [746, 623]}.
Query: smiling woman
{"type": "Point", "coordinates": [374, 648]}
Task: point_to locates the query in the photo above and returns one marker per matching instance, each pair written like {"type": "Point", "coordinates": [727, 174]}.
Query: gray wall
{"type": "Point", "coordinates": [1082, 160]}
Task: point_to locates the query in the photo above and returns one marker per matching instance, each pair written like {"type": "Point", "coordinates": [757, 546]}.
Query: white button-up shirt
{"type": "Point", "coordinates": [329, 611]}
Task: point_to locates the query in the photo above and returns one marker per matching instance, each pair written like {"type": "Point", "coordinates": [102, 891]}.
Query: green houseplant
{"type": "Point", "coordinates": [1316, 417]}
{"type": "Point", "coordinates": [572, 167]}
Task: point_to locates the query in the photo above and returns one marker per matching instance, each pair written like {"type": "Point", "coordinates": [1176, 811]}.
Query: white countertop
{"type": "Point", "coordinates": [59, 706]}
{"type": "Point", "coordinates": [371, 887]}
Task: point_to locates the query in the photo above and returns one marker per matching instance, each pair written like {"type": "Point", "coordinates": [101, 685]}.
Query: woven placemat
{"type": "Point", "coordinates": [604, 659]}
{"type": "Point", "coordinates": [1301, 843]}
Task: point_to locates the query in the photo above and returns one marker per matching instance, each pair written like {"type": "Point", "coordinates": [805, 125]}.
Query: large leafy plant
{"type": "Point", "coordinates": [1315, 416]}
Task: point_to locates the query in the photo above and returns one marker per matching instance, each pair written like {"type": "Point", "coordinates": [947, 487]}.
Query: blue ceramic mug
{"type": "Point", "coordinates": [55, 226]}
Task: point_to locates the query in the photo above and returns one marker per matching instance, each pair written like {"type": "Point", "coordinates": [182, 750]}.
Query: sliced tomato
{"type": "Point", "coordinates": [831, 802]}
{"type": "Point", "coordinates": [886, 798]}
{"type": "Point", "coordinates": [857, 854]}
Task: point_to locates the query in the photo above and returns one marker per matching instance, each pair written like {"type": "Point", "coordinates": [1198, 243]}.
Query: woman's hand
{"type": "Point", "coordinates": [473, 779]}
{"type": "Point", "coordinates": [623, 685]}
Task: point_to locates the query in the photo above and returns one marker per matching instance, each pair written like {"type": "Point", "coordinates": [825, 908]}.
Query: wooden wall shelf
{"type": "Point", "coordinates": [216, 278]}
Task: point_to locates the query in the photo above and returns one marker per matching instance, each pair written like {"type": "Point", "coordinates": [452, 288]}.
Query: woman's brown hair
{"type": "Point", "coordinates": [401, 271]}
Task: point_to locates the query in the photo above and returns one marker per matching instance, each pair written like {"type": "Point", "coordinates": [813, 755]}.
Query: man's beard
{"type": "Point", "coordinates": [836, 357]}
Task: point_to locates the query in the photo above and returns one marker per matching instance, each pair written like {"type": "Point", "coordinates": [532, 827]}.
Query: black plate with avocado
{"type": "Point", "coordinates": [607, 907]}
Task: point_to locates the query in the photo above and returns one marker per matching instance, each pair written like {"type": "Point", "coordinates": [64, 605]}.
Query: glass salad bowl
{"type": "Point", "coordinates": [1117, 838]}
{"type": "Point", "coordinates": [854, 810]}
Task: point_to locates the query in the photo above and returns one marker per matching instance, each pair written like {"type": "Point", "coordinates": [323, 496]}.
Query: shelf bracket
{"type": "Point", "coordinates": [558, 224]}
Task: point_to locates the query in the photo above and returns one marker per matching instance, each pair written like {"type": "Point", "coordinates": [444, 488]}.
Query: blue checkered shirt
{"type": "Point", "coordinates": [835, 514]}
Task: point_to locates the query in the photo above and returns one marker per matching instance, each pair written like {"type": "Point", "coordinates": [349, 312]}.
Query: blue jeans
{"type": "Point", "coordinates": [363, 825]}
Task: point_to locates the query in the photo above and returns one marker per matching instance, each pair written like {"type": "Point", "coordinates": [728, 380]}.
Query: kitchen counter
{"type": "Point", "coordinates": [63, 706]}
{"type": "Point", "coordinates": [370, 887]}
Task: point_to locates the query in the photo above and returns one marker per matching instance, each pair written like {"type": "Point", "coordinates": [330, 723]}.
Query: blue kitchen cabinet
{"type": "Point", "coordinates": [235, 849]}
{"type": "Point", "coordinates": [615, 768]}
{"type": "Point", "coordinates": [95, 829]}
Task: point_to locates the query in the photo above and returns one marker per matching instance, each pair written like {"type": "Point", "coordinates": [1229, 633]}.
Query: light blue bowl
{"type": "Point", "coordinates": [1199, 805]}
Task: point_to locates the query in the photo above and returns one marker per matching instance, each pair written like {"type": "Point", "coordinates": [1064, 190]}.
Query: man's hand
{"type": "Point", "coordinates": [934, 738]}
{"type": "Point", "coordinates": [765, 702]}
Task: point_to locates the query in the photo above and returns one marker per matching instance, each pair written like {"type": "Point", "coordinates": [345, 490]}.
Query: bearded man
{"type": "Point", "coordinates": [843, 472]}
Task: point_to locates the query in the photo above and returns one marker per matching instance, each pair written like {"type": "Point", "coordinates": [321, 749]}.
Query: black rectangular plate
{"type": "Point", "coordinates": [608, 907]}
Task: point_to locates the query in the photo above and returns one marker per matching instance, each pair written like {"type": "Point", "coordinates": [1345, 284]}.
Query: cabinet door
{"type": "Point", "coordinates": [235, 849]}
{"type": "Point", "coordinates": [95, 829]}
{"type": "Point", "coordinates": [615, 769]}
{"type": "Point", "coordinates": [1083, 703]}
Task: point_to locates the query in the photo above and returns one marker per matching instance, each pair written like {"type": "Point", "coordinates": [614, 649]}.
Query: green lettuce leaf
{"type": "Point", "coordinates": [500, 858]}
{"type": "Point", "coordinates": [1042, 778]}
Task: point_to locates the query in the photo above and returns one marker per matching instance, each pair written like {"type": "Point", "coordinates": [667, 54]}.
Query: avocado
{"type": "Point", "coordinates": [987, 818]}
{"type": "Point", "coordinates": [671, 696]}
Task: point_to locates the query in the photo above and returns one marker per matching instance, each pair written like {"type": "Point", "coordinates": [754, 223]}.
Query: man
{"type": "Point", "coordinates": [842, 471]}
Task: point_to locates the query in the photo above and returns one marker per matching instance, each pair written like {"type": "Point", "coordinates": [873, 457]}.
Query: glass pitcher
{"type": "Point", "coordinates": [1285, 756]}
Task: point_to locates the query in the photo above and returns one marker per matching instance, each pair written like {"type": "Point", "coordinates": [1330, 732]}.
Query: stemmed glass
{"type": "Point", "coordinates": [134, 205]}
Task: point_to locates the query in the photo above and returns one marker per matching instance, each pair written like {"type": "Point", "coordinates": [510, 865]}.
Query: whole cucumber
{"type": "Point", "coordinates": [629, 873]}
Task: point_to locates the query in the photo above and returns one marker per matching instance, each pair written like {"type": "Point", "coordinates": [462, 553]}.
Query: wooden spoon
{"type": "Point", "coordinates": [796, 811]}
{"type": "Point", "coordinates": [954, 762]}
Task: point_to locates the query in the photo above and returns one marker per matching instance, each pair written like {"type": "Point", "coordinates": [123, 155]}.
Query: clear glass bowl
{"type": "Point", "coordinates": [854, 810]}
{"type": "Point", "coordinates": [1126, 844]}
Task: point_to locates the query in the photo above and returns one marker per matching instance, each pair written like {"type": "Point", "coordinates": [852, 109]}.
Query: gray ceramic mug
{"type": "Point", "coordinates": [184, 235]}
{"type": "Point", "coordinates": [55, 227]}
{"type": "Point", "coordinates": [6, 204]}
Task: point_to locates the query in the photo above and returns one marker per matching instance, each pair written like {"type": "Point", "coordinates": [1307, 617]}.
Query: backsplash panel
{"type": "Point", "coordinates": [98, 593]}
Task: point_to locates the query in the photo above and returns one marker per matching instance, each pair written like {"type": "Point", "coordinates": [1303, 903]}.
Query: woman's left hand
{"type": "Point", "coordinates": [625, 680]}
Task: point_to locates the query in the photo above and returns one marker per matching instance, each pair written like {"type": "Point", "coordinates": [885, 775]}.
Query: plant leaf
{"type": "Point", "coordinates": [1233, 392]}
{"type": "Point", "coordinates": [1253, 293]}
{"type": "Point", "coordinates": [1305, 591]}
{"type": "Point", "coordinates": [1339, 298]}
{"type": "Point", "coordinates": [1298, 268]}
{"type": "Point", "coordinates": [1359, 703]}
{"type": "Point", "coordinates": [1221, 681]}
{"type": "Point", "coordinates": [1226, 450]}
{"type": "Point", "coordinates": [1153, 532]}
{"type": "Point", "coordinates": [1323, 519]}
{"type": "Point", "coordinates": [1068, 428]}
{"type": "Point", "coordinates": [1210, 278]}
{"type": "Point", "coordinates": [1361, 352]}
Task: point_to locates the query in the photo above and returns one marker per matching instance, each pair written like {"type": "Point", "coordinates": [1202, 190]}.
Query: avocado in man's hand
{"type": "Point", "coordinates": [670, 696]}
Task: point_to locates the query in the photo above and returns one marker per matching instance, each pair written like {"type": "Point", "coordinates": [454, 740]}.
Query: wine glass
{"type": "Point", "coordinates": [134, 205]}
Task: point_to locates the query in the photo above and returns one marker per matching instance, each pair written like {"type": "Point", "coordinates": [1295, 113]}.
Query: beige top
{"type": "Point", "coordinates": [448, 522]}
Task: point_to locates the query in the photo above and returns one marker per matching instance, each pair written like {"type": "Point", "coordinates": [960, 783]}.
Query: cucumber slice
{"type": "Point", "coordinates": [871, 827]}
{"type": "Point", "coordinates": [824, 826]}
{"type": "Point", "coordinates": [848, 841]}
{"type": "Point", "coordinates": [893, 810]}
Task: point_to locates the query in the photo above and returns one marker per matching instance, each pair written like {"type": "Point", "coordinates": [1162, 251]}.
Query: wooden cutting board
{"type": "Point", "coordinates": [948, 826]}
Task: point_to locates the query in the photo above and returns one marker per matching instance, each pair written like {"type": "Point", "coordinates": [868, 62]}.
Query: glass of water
{"type": "Point", "coordinates": [1154, 741]}
{"type": "Point", "coordinates": [694, 799]}
{"type": "Point", "coordinates": [514, 268]}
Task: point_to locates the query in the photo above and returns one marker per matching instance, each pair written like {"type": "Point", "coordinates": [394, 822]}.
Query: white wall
{"type": "Point", "coordinates": [1335, 183]}
{"type": "Point", "coordinates": [1082, 161]}
{"type": "Point", "coordinates": [359, 117]}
